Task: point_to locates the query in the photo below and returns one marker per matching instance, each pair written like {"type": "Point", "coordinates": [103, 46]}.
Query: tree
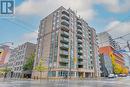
{"type": "Point", "coordinates": [40, 68]}
{"type": "Point", "coordinates": [29, 63]}
{"type": "Point", "coordinates": [125, 70]}
{"type": "Point", "coordinates": [5, 71]}
{"type": "Point", "coordinates": [117, 68]}
{"type": "Point", "coordinates": [113, 57]}
{"type": "Point", "coordinates": [2, 71]}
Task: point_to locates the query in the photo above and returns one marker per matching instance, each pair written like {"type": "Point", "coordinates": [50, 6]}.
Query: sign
{"type": "Point", "coordinates": [7, 8]}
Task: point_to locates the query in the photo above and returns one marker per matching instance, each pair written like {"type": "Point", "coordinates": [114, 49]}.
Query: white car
{"type": "Point", "coordinates": [112, 76]}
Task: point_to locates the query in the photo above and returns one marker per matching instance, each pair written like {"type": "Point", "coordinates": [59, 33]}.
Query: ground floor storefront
{"type": "Point", "coordinates": [62, 73]}
{"type": "Point", "coordinates": [18, 75]}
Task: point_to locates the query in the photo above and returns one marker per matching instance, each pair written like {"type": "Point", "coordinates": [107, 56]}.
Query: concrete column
{"type": "Point", "coordinates": [56, 73]}
{"type": "Point", "coordinates": [83, 74]}
{"type": "Point", "coordinates": [75, 74]}
{"type": "Point", "coordinates": [91, 75]}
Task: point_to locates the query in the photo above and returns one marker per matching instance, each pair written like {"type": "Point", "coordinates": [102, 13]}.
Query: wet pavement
{"type": "Point", "coordinates": [118, 82]}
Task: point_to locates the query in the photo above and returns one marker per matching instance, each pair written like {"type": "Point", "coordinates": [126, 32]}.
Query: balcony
{"type": "Point", "coordinates": [64, 47]}
{"type": "Point", "coordinates": [79, 56]}
{"type": "Point", "coordinates": [79, 27]}
{"type": "Point", "coordinates": [80, 63]}
{"type": "Point", "coordinates": [80, 52]}
{"type": "Point", "coordinates": [80, 66]}
{"type": "Point", "coordinates": [79, 35]}
{"type": "Point", "coordinates": [65, 53]}
{"type": "Point", "coordinates": [65, 13]}
{"type": "Point", "coordinates": [64, 40]}
{"type": "Point", "coordinates": [80, 46]}
{"type": "Point", "coordinates": [65, 23]}
{"type": "Point", "coordinates": [79, 22]}
{"type": "Point", "coordinates": [64, 60]}
{"type": "Point", "coordinates": [79, 41]}
{"type": "Point", "coordinates": [63, 56]}
{"type": "Point", "coordinates": [79, 31]}
{"type": "Point", "coordinates": [66, 66]}
{"type": "Point", "coordinates": [65, 34]}
{"type": "Point", "coordinates": [64, 28]}
{"type": "Point", "coordinates": [64, 17]}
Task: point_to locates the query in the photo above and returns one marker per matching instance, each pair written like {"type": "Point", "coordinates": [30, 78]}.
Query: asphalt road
{"type": "Point", "coordinates": [119, 82]}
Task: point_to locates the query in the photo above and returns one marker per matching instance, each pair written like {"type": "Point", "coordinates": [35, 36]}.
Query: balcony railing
{"type": "Point", "coordinates": [79, 22]}
{"type": "Point", "coordinates": [65, 40]}
{"type": "Point", "coordinates": [79, 40]}
{"type": "Point", "coordinates": [64, 17]}
{"type": "Point", "coordinates": [65, 23]}
{"type": "Point", "coordinates": [64, 46]}
{"type": "Point", "coordinates": [64, 67]}
{"type": "Point", "coordinates": [79, 31]}
{"type": "Point", "coordinates": [80, 46]}
{"type": "Point", "coordinates": [64, 60]}
{"type": "Point", "coordinates": [80, 63]}
{"type": "Point", "coordinates": [79, 35]}
{"type": "Point", "coordinates": [80, 57]}
{"type": "Point", "coordinates": [65, 13]}
{"type": "Point", "coordinates": [65, 34]}
{"type": "Point", "coordinates": [79, 26]}
{"type": "Point", "coordinates": [64, 52]}
{"type": "Point", "coordinates": [80, 52]}
{"type": "Point", "coordinates": [64, 28]}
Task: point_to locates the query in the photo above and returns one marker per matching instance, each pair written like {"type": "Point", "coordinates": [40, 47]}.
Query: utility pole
{"type": "Point", "coordinates": [128, 45]}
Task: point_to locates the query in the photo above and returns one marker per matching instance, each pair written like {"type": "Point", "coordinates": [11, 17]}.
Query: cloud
{"type": "Point", "coordinates": [30, 37]}
{"type": "Point", "coordinates": [45, 7]}
{"type": "Point", "coordinates": [116, 6]}
{"type": "Point", "coordinates": [118, 29]}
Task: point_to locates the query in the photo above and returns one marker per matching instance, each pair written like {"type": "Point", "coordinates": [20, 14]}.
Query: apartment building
{"type": "Point", "coordinates": [67, 45]}
{"type": "Point", "coordinates": [4, 54]}
{"type": "Point", "coordinates": [106, 65]}
{"type": "Point", "coordinates": [107, 47]}
{"type": "Point", "coordinates": [105, 39]}
{"type": "Point", "coordinates": [19, 57]}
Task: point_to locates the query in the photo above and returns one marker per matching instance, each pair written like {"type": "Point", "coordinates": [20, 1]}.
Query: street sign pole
{"type": "Point", "coordinates": [128, 45]}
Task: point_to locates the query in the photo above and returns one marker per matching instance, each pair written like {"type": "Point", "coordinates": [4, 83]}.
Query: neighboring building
{"type": "Point", "coordinates": [109, 51]}
{"type": "Point", "coordinates": [107, 46]}
{"type": "Point", "coordinates": [19, 57]}
{"type": "Point", "coordinates": [4, 54]}
{"type": "Point", "coordinates": [105, 39]}
{"type": "Point", "coordinates": [127, 60]}
{"type": "Point", "coordinates": [67, 44]}
{"type": "Point", "coordinates": [118, 59]}
{"type": "Point", "coordinates": [106, 65]}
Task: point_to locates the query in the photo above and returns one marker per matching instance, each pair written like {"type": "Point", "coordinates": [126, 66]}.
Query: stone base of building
{"type": "Point", "coordinates": [63, 74]}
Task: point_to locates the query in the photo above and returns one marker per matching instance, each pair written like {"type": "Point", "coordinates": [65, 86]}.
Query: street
{"type": "Point", "coordinates": [118, 82]}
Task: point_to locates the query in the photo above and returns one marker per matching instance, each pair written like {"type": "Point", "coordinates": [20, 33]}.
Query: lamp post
{"type": "Point", "coordinates": [128, 45]}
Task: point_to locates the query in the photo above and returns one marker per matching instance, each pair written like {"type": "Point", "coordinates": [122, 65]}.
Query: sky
{"type": "Point", "coordinates": [103, 15]}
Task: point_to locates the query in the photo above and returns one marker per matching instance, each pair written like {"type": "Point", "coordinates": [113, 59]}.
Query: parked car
{"type": "Point", "coordinates": [112, 76]}
{"type": "Point", "coordinates": [122, 75]}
